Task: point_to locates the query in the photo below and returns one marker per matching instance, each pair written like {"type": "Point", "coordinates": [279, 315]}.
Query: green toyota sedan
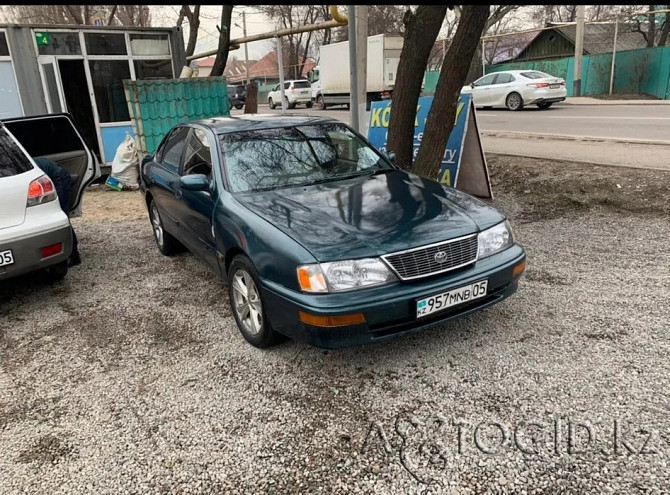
{"type": "Point", "coordinates": [319, 236]}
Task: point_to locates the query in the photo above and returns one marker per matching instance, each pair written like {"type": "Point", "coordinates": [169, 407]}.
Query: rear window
{"type": "Point", "coordinates": [301, 84]}
{"type": "Point", "coordinates": [12, 159]}
{"type": "Point", "coordinates": [536, 74]}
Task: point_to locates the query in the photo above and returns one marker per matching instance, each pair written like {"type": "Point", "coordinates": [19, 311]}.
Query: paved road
{"type": "Point", "coordinates": [614, 121]}
{"type": "Point", "coordinates": [602, 121]}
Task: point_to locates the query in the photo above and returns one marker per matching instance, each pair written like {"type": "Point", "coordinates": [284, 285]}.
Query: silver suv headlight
{"type": "Point", "coordinates": [339, 276]}
{"type": "Point", "coordinates": [496, 239]}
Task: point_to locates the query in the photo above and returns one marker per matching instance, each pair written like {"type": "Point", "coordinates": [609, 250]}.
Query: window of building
{"type": "Point", "coordinates": [149, 44]}
{"type": "Point", "coordinates": [58, 43]}
{"type": "Point", "coordinates": [4, 47]}
{"type": "Point", "coordinates": [105, 43]}
{"type": "Point", "coordinates": [153, 69]}
{"type": "Point", "coordinates": [107, 77]}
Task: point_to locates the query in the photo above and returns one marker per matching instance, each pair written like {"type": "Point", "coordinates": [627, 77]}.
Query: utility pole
{"type": "Point", "coordinates": [362, 61]}
{"type": "Point", "coordinates": [246, 45]}
{"type": "Point", "coordinates": [616, 33]}
{"type": "Point", "coordinates": [353, 70]}
{"type": "Point", "coordinates": [280, 61]}
{"type": "Point", "coordinates": [579, 50]}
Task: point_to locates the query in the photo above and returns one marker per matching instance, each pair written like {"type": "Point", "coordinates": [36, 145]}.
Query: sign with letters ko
{"type": "Point", "coordinates": [463, 142]}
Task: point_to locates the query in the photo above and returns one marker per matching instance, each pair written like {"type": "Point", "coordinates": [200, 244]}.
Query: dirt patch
{"type": "Point", "coordinates": [546, 189]}
{"type": "Point", "coordinates": [48, 449]}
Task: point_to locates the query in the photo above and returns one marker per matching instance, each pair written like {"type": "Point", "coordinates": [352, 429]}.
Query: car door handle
{"type": "Point", "coordinates": [178, 194]}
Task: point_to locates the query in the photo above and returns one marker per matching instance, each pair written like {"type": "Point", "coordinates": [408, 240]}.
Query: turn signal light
{"type": "Point", "coordinates": [331, 321]}
{"type": "Point", "coordinates": [52, 249]}
{"type": "Point", "coordinates": [518, 269]}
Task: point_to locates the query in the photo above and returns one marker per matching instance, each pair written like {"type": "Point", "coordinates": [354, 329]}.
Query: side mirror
{"type": "Point", "coordinates": [194, 182]}
{"type": "Point", "coordinates": [472, 85]}
{"type": "Point", "coordinates": [391, 156]}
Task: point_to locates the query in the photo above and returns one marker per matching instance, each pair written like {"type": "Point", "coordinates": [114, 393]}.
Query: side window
{"type": "Point", "coordinates": [198, 157]}
{"type": "Point", "coordinates": [504, 78]}
{"type": "Point", "coordinates": [287, 85]}
{"type": "Point", "coordinates": [276, 88]}
{"type": "Point", "coordinates": [174, 148]}
{"type": "Point", "coordinates": [486, 80]}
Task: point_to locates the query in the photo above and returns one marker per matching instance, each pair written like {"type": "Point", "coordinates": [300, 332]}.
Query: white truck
{"type": "Point", "coordinates": [330, 79]}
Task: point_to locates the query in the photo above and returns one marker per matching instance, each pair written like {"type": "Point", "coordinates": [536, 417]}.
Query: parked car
{"type": "Point", "coordinates": [295, 92]}
{"type": "Point", "coordinates": [237, 96]}
{"type": "Point", "coordinates": [35, 233]}
{"type": "Point", "coordinates": [516, 88]}
{"type": "Point", "coordinates": [319, 236]}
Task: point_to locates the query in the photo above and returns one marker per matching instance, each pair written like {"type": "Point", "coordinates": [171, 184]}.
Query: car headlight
{"type": "Point", "coordinates": [496, 239]}
{"type": "Point", "coordinates": [339, 276]}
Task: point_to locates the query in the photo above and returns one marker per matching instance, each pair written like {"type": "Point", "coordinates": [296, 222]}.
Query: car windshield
{"type": "Point", "coordinates": [536, 74]}
{"type": "Point", "coordinates": [292, 156]}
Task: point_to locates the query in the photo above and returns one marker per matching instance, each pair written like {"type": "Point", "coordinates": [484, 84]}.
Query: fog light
{"type": "Point", "coordinates": [51, 250]}
{"type": "Point", "coordinates": [331, 321]}
{"type": "Point", "coordinates": [518, 269]}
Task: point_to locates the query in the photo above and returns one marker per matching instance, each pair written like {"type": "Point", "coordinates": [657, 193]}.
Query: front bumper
{"type": "Point", "coordinates": [390, 311]}
{"type": "Point", "coordinates": [27, 251]}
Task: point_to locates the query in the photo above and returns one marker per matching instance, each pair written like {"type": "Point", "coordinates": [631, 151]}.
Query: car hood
{"type": "Point", "coordinates": [371, 215]}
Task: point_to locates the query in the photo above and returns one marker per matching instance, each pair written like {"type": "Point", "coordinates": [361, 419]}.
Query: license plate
{"type": "Point", "coordinates": [6, 258]}
{"type": "Point", "coordinates": [554, 86]}
{"type": "Point", "coordinates": [438, 302]}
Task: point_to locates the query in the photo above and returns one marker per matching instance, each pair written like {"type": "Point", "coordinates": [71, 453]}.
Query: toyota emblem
{"type": "Point", "coordinates": [441, 257]}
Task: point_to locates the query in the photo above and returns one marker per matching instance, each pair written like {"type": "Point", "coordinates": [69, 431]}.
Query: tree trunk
{"type": "Point", "coordinates": [440, 120]}
{"type": "Point", "coordinates": [651, 34]}
{"type": "Point", "coordinates": [666, 29]}
{"type": "Point", "coordinates": [224, 42]}
{"type": "Point", "coordinates": [421, 30]}
{"type": "Point", "coordinates": [193, 26]}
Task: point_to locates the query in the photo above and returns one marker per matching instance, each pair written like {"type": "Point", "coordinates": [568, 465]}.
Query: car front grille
{"type": "Point", "coordinates": [434, 258]}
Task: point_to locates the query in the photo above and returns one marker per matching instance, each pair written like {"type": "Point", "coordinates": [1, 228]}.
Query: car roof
{"type": "Point", "coordinates": [257, 121]}
{"type": "Point", "coordinates": [516, 71]}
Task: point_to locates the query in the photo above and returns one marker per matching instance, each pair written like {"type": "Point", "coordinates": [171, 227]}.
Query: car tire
{"type": "Point", "coordinates": [288, 104]}
{"type": "Point", "coordinates": [544, 105]}
{"type": "Point", "coordinates": [166, 242]}
{"type": "Point", "coordinates": [238, 106]}
{"type": "Point", "coordinates": [321, 103]}
{"type": "Point", "coordinates": [309, 104]}
{"type": "Point", "coordinates": [514, 102]}
{"type": "Point", "coordinates": [271, 104]}
{"type": "Point", "coordinates": [246, 303]}
{"type": "Point", "coordinates": [56, 272]}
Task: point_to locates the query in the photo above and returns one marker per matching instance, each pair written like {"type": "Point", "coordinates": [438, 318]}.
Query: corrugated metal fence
{"type": "Point", "coordinates": [642, 71]}
{"type": "Point", "coordinates": [155, 106]}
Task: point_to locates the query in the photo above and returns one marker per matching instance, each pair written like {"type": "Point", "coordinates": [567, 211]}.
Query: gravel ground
{"type": "Point", "coordinates": [131, 377]}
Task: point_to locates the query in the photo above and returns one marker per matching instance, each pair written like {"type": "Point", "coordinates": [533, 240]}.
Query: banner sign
{"type": "Point", "coordinates": [380, 113]}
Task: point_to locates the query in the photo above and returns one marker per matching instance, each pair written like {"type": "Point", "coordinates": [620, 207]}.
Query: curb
{"type": "Point", "coordinates": [568, 137]}
{"type": "Point", "coordinates": [615, 103]}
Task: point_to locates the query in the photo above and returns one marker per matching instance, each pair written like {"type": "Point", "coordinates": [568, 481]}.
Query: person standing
{"type": "Point", "coordinates": [63, 184]}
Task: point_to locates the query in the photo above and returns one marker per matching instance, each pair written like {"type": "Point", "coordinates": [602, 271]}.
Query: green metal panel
{"type": "Point", "coordinates": [431, 82]}
{"type": "Point", "coordinates": [646, 70]}
{"type": "Point", "coordinates": [155, 106]}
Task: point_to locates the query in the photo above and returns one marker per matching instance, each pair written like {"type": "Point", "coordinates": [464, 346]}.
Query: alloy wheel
{"type": "Point", "coordinates": [247, 302]}
{"type": "Point", "coordinates": [156, 223]}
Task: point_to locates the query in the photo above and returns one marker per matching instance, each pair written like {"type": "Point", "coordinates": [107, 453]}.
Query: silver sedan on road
{"type": "Point", "coordinates": [515, 88]}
